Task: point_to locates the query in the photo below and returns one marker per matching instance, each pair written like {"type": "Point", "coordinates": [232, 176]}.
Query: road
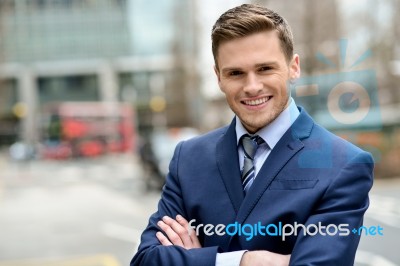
{"type": "Point", "coordinates": [91, 213]}
{"type": "Point", "coordinates": [384, 210]}
{"type": "Point", "coordinates": [75, 213]}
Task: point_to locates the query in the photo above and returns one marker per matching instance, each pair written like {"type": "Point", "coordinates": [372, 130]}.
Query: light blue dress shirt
{"type": "Point", "coordinates": [271, 134]}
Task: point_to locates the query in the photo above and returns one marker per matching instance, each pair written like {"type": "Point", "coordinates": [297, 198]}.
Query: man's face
{"type": "Point", "coordinates": [254, 74]}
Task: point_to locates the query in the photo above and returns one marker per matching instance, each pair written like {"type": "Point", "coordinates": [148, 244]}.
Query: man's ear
{"type": "Point", "coordinates": [294, 67]}
{"type": "Point", "coordinates": [217, 73]}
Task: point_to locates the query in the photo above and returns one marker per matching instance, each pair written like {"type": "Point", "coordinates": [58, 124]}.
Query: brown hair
{"type": "Point", "coordinates": [247, 19]}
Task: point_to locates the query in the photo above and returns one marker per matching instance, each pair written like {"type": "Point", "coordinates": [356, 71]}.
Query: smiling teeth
{"type": "Point", "coordinates": [257, 102]}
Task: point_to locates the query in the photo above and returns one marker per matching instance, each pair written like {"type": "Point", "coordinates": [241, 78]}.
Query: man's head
{"type": "Point", "coordinates": [254, 62]}
{"type": "Point", "coordinates": [248, 19]}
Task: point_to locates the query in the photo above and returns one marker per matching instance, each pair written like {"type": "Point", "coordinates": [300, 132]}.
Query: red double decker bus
{"type": "Point", "coordinates": [87, 129]}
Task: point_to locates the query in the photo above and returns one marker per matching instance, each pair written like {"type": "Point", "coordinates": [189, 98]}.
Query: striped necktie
{"type": "Point", "coordinates": [250, 145]}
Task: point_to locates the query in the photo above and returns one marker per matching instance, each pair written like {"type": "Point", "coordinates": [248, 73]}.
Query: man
{"type": "Point", "coordinates": [271, 166]}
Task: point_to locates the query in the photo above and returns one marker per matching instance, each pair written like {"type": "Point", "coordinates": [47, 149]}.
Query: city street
{"type": "Point", "coordinates": [91, 212]}
{"type": "Point", "coordinates": [83, 213]}
{"type": "Point", "coordinates": [384, 210]}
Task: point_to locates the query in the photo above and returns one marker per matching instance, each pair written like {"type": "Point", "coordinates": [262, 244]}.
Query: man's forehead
{"type": "Point", "coordinates": [260, 40]}
{"type": "Point", "coordinates": [271, 33]}
{"type": "Point", "coordinates": [255, 50]}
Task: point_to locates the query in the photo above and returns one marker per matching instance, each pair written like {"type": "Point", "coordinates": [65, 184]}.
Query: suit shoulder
{"type": "Point", "coordinates": [339, 144]}
{"type": "Point", "coordinates": [207, 138]}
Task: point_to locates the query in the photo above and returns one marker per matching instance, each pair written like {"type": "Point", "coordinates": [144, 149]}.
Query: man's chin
{"type": "Point", "coordinates": [254, 126]}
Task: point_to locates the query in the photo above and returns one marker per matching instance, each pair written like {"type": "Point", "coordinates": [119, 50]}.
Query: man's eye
{"type": "Point", "coordinates": [235, 73]}
{"type": "Point", "coordinates": [265, 68]}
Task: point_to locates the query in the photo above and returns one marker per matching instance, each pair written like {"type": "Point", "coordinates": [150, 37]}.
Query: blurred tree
{"type": "Point", "coordinates": [378, 22]}
{"type": "Point", "coordinates": [393, 52]}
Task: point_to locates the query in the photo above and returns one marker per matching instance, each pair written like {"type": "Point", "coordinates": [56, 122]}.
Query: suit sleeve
{"type": "Point", "coordinates": [344, 202]}
{"type": "Point", "coordinates": [150, 251]}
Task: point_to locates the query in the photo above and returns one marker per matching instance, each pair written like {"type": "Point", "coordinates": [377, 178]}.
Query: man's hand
{"type": "Point", "coordinates": [264, 258]}
{"type": "Point", "coordinates": [177, 232]}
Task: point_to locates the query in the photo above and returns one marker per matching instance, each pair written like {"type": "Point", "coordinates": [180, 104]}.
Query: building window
{"type": "Point", "coordinates": [74, 88]}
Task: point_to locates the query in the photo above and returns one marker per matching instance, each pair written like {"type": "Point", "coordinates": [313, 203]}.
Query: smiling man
{"type": "Point", "coordinates": [253, 73]}
{"type": "Point", "coordinates": [272, 165]}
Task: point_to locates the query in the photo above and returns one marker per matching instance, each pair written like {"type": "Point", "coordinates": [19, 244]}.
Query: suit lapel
{"type": "Point", "coordinates": [285, 149]}
{"type": "Point", "coordinates": [228, 165]}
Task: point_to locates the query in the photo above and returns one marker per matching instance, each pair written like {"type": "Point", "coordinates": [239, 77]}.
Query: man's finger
{"type": "Point", "coordinates": [163, 240]}
{"type": "Point", "coordinates": [181, 231]}
{"type": "Point", "coordinates": [192, 233]}
{"type": "Point", "coordinates": [173, 237]}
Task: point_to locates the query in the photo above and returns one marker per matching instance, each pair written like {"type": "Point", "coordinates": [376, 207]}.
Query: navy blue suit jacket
{"type": "Point", "coordinates": [310, 176]}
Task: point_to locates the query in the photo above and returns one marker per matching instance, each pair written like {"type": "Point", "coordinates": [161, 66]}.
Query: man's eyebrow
{"type": "Point", "coordinates": [263, 64]}
{"type": "Point", "coordinates": [228, 69]}
{"type": "Point", "coordinates": [271, 63]}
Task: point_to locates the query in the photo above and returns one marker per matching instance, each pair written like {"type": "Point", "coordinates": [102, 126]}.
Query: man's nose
{"type": "Point", "coordinates": [253, 84]}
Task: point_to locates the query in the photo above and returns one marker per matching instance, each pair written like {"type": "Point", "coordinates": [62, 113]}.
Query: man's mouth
{"type": "Point", "coordinates": [257, 101]}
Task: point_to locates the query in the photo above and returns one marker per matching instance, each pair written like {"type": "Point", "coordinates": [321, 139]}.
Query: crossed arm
{"type": "Point", "coordinates": [344, 201]}
{"type": "Point", "coordinates": [177, 232]}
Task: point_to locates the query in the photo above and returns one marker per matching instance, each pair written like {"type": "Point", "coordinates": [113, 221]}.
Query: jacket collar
{"type": "Point", "coordinates": [284, 150]}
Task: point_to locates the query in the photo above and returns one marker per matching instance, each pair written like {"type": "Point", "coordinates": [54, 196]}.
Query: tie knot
{"type": "Point", "coordinates": [250, 145]}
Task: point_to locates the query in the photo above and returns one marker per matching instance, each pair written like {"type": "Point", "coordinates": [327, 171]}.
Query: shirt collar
{"type": "Point", "coordinates": [272, 132]}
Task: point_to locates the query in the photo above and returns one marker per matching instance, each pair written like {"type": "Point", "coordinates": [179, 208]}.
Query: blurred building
{"type": "Point", "coordinates": [158, 58]}
{"type": "Point", "coordinates": [84, 50]}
